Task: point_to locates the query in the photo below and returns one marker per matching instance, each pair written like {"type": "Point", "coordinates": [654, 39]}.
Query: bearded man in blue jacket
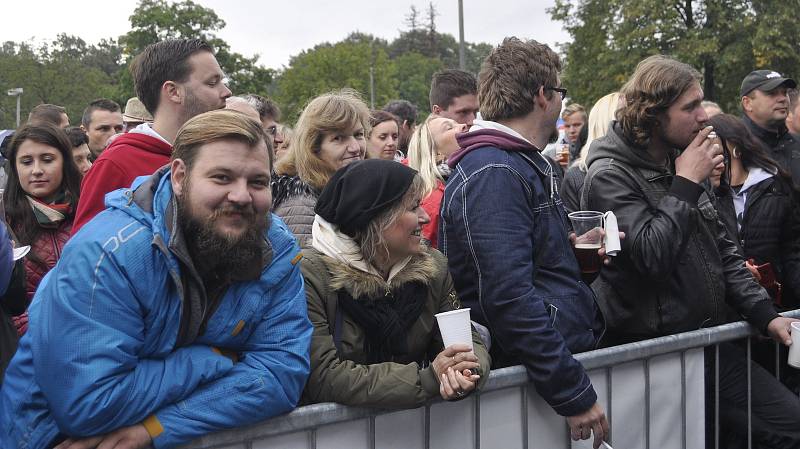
{"type": "Point", "coordinates": [178, 311]}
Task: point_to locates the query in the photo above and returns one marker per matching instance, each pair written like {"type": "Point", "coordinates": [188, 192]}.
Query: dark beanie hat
{"type": "Point", "coordinates": [360, 191]}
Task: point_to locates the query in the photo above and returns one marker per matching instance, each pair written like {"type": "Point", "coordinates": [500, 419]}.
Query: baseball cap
{"type": "Point", "coordinates": [765, 81]}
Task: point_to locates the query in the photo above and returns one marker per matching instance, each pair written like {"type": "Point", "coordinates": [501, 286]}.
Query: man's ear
{"type": "Point", "coordinates": [172, 91]}
{"type": "Point", "coordinates": [540, 99]}
{"type": "Point", "coordinates": [436, 109]}
{"type": "Point", "coordinates": [178, 176]}
{"type": "Point", "coordinates": [746, 103]}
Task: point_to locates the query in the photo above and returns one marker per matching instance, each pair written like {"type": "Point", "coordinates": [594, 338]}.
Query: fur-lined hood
{"type": "Point", "coordinates": [422, 268]}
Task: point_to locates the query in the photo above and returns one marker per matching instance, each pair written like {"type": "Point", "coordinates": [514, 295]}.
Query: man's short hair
{"type": "Point", "coordinates": [46, 113]}
{"type": "Point", "coordinates": [213, 126]}
{"type": "Point", "coordinates": [448, 84]}
{"type": "Point", "coordinates": [656, 84]}
{"type": "Point", "coordinates": [403, 109]}
{"type": "Point", "coordinates": [101, 104]}
{"type": "Point", "coordinates": [265, 106]}
{"type": "Point", "coordinates": [572, 109]}
{"type": "Point", "coordinates": [161, 62]}
{"type": "Point", "coordinates": [76, 136]}
{"type": "Point", "coordinates": [512, 75]}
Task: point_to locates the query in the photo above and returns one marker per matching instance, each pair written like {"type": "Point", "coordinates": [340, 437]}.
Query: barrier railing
{"type": "Point", "coordinates": [653, 393]}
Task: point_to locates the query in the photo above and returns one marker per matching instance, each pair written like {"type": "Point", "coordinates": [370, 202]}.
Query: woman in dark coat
{"type": "Point", "coordinates": [759, 206]}
{"type": "Point", "coordinates": [373, 289]}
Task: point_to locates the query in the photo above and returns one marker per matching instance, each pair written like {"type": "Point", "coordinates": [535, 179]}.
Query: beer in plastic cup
{"type": "Point", "coordinates": [587, 225]}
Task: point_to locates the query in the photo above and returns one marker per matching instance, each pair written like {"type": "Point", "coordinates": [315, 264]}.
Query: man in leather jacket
{"type": "Point", "coordinates": [678, 270]}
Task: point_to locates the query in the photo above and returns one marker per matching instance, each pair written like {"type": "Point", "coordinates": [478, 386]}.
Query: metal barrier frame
{"type": "Point", "coordinates": [312, 417]}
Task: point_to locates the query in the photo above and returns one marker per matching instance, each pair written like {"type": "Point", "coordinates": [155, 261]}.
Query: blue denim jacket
{"type": "Point", "coordinates": [505, 233]}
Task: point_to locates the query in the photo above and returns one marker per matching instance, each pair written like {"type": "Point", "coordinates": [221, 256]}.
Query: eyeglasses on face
{"type": "Point", "coordinates": [560, 90]}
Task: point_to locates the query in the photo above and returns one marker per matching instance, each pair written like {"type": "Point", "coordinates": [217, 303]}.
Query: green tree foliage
{"type": "Point", "coordinates": [66, 72]}
{"type": "Point", "coordinates": [402, 68]}
{"type": "Point", "coordinates": [724, 39]}
{"type": "Point", "coordinates": [333, 66]}
{"type": "Point", "coordinates": [70, 72]}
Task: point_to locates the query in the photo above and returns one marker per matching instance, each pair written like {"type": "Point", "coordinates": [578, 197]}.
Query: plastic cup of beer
{"type": "Point", "coordinates": [588, 225]}
{"type": "Point", "coordinates": [455, 327]}
{"type": "Point", "coordinates": [563, 154]}
{"type": "Point", "coordinates": [794, 349]}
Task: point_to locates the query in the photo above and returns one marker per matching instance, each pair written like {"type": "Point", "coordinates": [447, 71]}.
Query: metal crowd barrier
{"type": "Point", "coordinates": [652, 391]}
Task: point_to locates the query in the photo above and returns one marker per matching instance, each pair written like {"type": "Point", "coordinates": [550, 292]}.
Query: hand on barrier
{"type": "Point", "coordinates": [454, 367]}
{"type": "Point", "coordinates": [591, 421]}
{"type": "Point", "coordinates": [455, 384]}
{"type": "Point", "coordinates": [459, 357]}
{"type": "Point", "coordinates": [780, 330]}
{"type": "Point", "coordinates": [133, 437]}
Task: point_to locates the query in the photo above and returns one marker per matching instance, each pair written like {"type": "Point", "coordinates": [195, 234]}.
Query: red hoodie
{"type": "Point", "coordinates": [129, 156]}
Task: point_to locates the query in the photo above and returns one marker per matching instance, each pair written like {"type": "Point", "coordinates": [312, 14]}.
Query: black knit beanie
{"type": "Point", "coordinates": [360, 191]}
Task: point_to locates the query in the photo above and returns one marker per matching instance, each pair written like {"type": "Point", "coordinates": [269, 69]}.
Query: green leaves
{"type": "Point", "coordinates": [724, 39]}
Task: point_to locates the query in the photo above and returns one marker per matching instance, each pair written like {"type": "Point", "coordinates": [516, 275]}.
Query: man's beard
{"type": "Point", "coordinates": [218, 256]}
{"type": "Point", "coordinates": [194, 107]}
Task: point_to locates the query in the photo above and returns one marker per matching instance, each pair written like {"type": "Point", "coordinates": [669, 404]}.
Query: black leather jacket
{"type": "Point", "coordinates": [770, 231]}
{"type": "Point", "coordinates": [677, 270]}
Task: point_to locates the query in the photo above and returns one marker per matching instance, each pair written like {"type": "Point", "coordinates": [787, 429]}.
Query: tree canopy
{"type": "Point", "coordinates": [71, 73]}
{"type": "Point", "coordinates": [723, 39]}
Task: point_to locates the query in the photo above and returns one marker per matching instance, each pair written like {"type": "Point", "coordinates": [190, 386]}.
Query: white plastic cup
{"type": "Point", "coordinates": [794, 349]}
{"type": "Point", "coordinates": [456, 328]}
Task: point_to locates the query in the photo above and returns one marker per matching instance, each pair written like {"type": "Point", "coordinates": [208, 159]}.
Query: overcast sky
{"type": "Point", "coordinates": [277, 30]}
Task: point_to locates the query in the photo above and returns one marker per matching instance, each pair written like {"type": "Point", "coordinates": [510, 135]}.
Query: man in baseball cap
{"type": "Point", "coordinates": [766, 104]}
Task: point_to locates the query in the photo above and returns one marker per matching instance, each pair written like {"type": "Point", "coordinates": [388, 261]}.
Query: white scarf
{"type": "Point", "coordinates": [327, 239]}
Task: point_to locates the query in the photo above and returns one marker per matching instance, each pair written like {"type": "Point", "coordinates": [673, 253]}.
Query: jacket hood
{"type": "Point", "coordinates": [614, 146]}
{"type": "Point", "coordinates": [140, 141]}
{"type": "Point", "coordinates": [420, 268]}
{"type": "Point", "coordinates": [754, 177]}
{"type": "Point", "coordinates": [327, 239]}
{"type": "Point", "coordinates": [484, 137]}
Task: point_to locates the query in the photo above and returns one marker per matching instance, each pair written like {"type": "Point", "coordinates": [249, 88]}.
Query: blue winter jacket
{"type": "Point", "coordinates": [505, 234]}
{"type": "Point", "coordinates": [101, 352]}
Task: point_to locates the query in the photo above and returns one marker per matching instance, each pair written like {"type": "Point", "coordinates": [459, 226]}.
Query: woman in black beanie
{"type": "Point", "coordinates": [373, 290]}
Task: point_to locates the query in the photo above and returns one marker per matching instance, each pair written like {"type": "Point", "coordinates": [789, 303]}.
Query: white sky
{"type": "Point", "coordinates": [278, 30]}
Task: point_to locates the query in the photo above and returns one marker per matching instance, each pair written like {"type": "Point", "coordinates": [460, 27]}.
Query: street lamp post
{"type": "Point", "coordinates": [462, 62]}
{"type": "Point", "coordinates": [16, 92]}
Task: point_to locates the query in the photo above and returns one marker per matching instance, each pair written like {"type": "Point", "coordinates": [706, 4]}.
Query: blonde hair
{"type": "Point", "coordinates": [217, 125]}
{"type": "Point", "coordinates": [371, 240]}
{"type": "Point", "coordinates": [328, 113]}
{"type": "Point", "coordinates": [572, 109]}
{"type": "Point", "coordinates": [599, 118]}
{"type": "Point", "coordinates": [422, 155]}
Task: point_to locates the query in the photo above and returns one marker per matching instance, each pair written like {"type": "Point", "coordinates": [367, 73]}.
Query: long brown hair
{"type": "Point", "coordinates": [19, 214]}
{"type": "Point", "coordinates": [656, 84]}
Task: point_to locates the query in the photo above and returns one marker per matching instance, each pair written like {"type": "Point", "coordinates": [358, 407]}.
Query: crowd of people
{"type": "Point", "coordinates": [197, 265]}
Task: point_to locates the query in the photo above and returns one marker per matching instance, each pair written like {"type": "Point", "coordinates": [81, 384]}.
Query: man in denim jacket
{"type": "Point", "coordinates": [505, 232]}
